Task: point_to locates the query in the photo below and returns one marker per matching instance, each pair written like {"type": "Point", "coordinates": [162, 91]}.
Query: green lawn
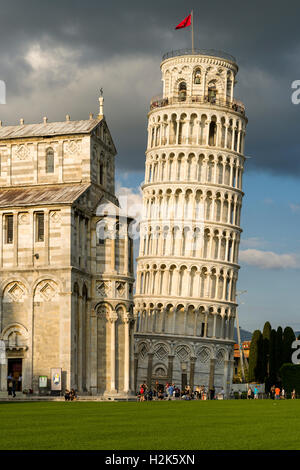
{"type": "Point", "coordinates": [236, 424]}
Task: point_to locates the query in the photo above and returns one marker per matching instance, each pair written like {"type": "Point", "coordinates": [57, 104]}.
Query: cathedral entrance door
{"type": "Point", "coordinates": [15, 371]}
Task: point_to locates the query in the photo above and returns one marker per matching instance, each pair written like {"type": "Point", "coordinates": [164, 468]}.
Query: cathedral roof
{"type": "Point", "coordinates": [40, 195]}
{"type": "Point", "coordinates": [48, 129]}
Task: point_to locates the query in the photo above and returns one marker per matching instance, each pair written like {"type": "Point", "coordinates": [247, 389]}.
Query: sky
{"type": "Point", "coordinates": [55, 56]}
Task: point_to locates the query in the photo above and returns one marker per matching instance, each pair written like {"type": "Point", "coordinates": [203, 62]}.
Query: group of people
{"type": "Point", "coordinates": [170, 391]}
{"type": "Point", "coordinates": [70, 395]}
{"type": "Point", "coordinates": [276, 393]}
{"type": "Point", "coordinates": [13, 385]}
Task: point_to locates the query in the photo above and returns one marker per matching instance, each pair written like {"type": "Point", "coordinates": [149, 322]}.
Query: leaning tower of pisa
{"type": "Point", "coordinates": [187, 268]}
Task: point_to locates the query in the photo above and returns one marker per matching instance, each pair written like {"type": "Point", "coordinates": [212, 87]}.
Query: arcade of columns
{"type": "Point", "coordinates": [192, 195]}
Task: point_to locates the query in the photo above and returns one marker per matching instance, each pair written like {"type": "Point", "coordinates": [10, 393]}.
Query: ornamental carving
{"type": "Point", "coordinates": [103, 288]}
{"type": "Point", "coordinates": [120, 288]}
{"type": "Point", "coordinates": [182, 352]}
{"type": "Point", "coordinates": [220, 359]}
{"type": "Point", "coordinates": [46, 291]}
{"type": "Point", "coordinates": [23, 152]}
{"type": "Point", "coordinates": [23, 218]}
{"type": "Point", "coordinates": [103, 311]}
{"type": "Point", "coordinates": [203, 355]}
{"type": "Point", "coordinates": [74, 147]}
{"type": "Point", "coordinates": [161, 351]}
{"type": "Point", "coordinates": [55, 216]}
{"type": "Point", "coordinates": [15, 292]}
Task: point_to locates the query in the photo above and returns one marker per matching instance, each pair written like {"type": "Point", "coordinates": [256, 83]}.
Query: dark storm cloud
{"type": "Point", "coordinates": [54, 55]}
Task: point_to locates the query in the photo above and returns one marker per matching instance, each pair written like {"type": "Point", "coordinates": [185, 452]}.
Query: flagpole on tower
{"type": "Point", "coordinates": [193, 31]}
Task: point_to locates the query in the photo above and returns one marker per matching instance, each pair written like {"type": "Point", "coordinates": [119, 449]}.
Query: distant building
{"type": "Point", "coordinates": [237, 356]}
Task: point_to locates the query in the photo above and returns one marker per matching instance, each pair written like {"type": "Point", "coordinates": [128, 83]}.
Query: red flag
{"type": "Point", "coordinates": [186, 22]}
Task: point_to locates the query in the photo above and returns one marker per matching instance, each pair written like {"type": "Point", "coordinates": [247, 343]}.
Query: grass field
{"type": "Point", "coordinates": [211, 425]}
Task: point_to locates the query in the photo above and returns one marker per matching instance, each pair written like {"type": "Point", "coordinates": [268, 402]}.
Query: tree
{"type": "Point", "coordinates": [287, 351]}
{"type": "Point", "coordinates": [272, 359]}
{"type": "Point", "coordinates": [279, 360]}
{"type": "Point", "coordinates": [266, 337]}
{"type": "Point", "coordinates": [255, 370]}
{"type": "Point", "coordinates": [290, 374]}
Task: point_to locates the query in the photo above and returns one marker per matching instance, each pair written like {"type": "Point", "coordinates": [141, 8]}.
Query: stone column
{"type": "Point", "coordinates": [113, 319]}
{"type": "Point", "coordinates": [3, 367]}
{"type": "Point", "coordinates": [132, 357]}
{"type": "Point", "coordinates": [215, 324]}
{"type": "Point", "coordinates": [177, 131]}
{"type": "Point", "coordinates": [126, 248]}
{"type": "Point", "coordinates": [225, 379]}
{"type": "Point", "coordinates": [3, 377]}
{"type": "Point", "coordinates": [136, 365]}
{"type": "Point", "coordinates": [226, 136]}
{"type": "Point", "coordinates": [80, 343]}
{"type": "Point", "coordinates": [205, 325]}
{"type": "Point", "coordinates": [170, 368]}
{"type": "Point", "coordinates": [149, 371]}
{"type": "Point", "coordinates": [192, 372]}
{"type": "Point", "coordinates": [127, 320]}
{"type": "Point", "coordinates": [211, 374]}
{"type": "Point", "coordinates": [207, 124]}
{"type": "Point", "coordinates": [93, 352]}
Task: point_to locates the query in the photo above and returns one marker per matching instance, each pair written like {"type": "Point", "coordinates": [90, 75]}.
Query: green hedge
{"type": "Point", "coordinates": [290, 376]}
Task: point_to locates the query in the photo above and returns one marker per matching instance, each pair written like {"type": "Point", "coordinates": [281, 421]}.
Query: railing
{"type": "Point", "coordinates": [207, 52]}
{"type": "Point", "coordinates": [235, 105]}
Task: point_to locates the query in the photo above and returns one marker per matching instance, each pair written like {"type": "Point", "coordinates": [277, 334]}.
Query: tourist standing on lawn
{"type": "Point", "coordinates": [293, 394]}
{"type": "Point", "coordinates": [272, 392]}
{"type": "Point", "coordinates": [277, 393]}
{"type": "Point", "coordinates": [170, 391]}
{"type": "Point", "coordinates": [249, 393]}
{"type": "Point", "coordinates": [256, 393]}
{"type": "Point", "coordinates": [142, 392]}
{"type": "Point", "coordinates": [283, 393]}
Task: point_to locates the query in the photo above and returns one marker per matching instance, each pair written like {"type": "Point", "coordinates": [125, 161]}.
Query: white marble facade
{"type": "Point", "coordinates": [66, 295]}
{"type": "Point", "coordinates": [187, 268]}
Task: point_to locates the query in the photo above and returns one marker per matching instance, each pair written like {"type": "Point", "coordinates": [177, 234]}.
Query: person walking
{"type": "Point", "coordinates": [272, 392]}
{"type": "Point", "coordinates": [249, 393]}
{"type": "Point", "coordinates": [293, 394]}
{"type": "Point", "coordinates": [277, 393]}
{"type": "Point", "coordinates": [9, 385]}
{"type": "Point", "coordinates": [13, 388]}
{"type": "Point", "coordinates": [255, 393]}
{"type": "Point", "coordinates": [142, 392]}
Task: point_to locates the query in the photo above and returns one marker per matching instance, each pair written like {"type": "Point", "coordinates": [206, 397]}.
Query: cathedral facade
{"type": "Point", "coordinates": [187, 269]}
{"type": "Point", "coordinates": [66, 261]}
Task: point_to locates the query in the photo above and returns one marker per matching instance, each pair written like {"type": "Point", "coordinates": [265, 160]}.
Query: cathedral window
{"type": "Point", "coordinates": [50, 160]}
{"type": "Point", "coordinates": [9, 228]}
{"type": "Point", "coordinates": [39, 232]}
